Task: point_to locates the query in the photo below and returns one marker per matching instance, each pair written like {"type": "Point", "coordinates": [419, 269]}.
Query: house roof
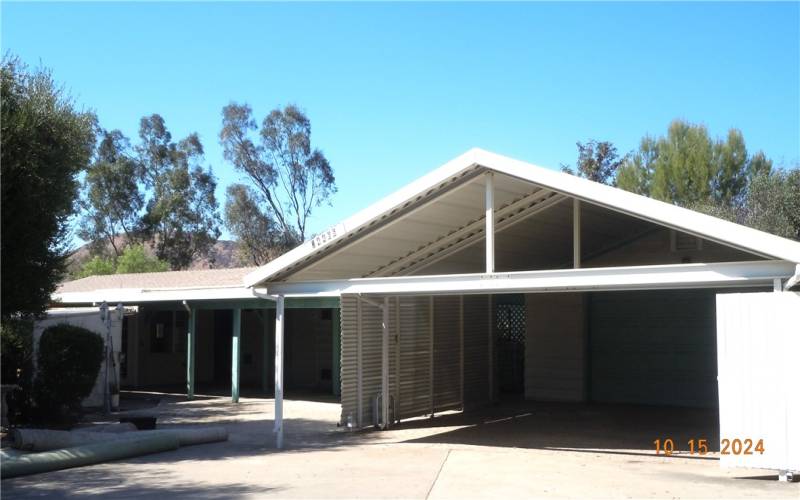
{"type": "Point", "coordinates": [196, 284]}
{"type": "Point", "coordinates": [196, 278]}
{"type": "Point", "coordinates": [543, 186]}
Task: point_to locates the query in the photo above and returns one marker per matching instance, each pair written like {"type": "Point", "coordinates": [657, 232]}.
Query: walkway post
{"type": "Point", "coordinates": [191, 340]}
{"type": "Point", "coordinates": [279, 372]}
{"type": "Point", "coordinates": [265, 350]}
{"type": "Point", "coordinates": [236, 353]}
{"type": "Point", "coordinates": [337, 350]}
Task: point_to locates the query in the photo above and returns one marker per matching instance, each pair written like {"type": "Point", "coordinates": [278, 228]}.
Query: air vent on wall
{"type": "Point", "coordinates": [682, 242]}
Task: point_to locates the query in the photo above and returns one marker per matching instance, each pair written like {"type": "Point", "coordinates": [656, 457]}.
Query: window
{"type": "Point", "coordinates": [161, 332]}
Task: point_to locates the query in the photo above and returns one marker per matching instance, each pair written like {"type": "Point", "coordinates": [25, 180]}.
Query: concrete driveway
{"type": "Point", "coordinates": [516, 450]}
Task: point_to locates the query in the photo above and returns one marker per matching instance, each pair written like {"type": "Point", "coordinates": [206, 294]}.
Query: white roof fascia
{"type": "Point", "coordinates": [704, 275]}
{"type": "Point", "coordinates": [682, 219]}
{"type": "Point", "coordinates": [138, 295]}
{"type": "Point", "coordinates": [398, 198]}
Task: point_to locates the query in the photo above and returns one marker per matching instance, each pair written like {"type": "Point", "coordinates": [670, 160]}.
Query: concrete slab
{"type": "Point", "coordinates": [512, 451]}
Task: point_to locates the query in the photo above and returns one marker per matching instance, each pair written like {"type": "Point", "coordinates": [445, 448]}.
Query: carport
{"type": "Point", "coordinates": [617, 291]}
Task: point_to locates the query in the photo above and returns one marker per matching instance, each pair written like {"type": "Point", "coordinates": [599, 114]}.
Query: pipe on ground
{"type": "Point", "coordinates": [45, 440]}
{"type": "Point", "coordinates": [87, 454]}
{"type": "Point", "coordinates": [113, 427]}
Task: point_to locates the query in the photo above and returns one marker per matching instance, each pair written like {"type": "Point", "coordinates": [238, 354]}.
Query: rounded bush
{"type": "Point", "coordinates": [69, 359]}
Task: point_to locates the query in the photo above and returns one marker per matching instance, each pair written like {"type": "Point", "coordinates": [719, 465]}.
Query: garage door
{"type": "Point", "coordinates": [653, 347]}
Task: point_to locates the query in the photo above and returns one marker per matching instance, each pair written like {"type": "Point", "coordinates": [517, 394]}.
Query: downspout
{"type": "Point", "coordinates": [793, 282]}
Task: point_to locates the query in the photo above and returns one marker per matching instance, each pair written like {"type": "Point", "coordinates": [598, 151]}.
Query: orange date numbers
{"type": "Point", "coordinates": [736, 446]}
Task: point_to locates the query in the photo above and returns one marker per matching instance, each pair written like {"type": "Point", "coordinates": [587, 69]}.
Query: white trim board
{"type": "Point", "coordinates": [701, 275]}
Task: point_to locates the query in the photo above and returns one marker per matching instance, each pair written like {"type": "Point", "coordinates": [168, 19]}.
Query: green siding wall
{"type": "Point", "coordinates": [653, 347]}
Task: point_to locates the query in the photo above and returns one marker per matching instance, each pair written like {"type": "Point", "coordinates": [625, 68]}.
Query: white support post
{"type": "Point", "coordinates": [461, 347]}
{"type": "Point", "coordinates": [430, 337]}
{"type": "Point", "coordinates": [489, 222]}
{"type": "Point", "coordinates": [191, 340]}
{"type": "Point", "coordinates": [576, 233]}
{"type": "Point", "coordinates": [236, 354]}
{"type": "Point", "coordinates": [265, 351]}
{"type": "Point", "coordinates": [385, 365]}
{"type": "Point", "coordinates": [397, 360]}
{"type": "Point", "coordinates": [359, 377]}
{"type": "Point", "coordinates": [279, 323]}
{"type": "Point", "coordinates": [777, 285]}
{"type": "Point", "coordinates": [489, 325]}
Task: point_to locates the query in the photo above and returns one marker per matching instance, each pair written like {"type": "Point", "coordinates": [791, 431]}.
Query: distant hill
{"type": "Point", "coordinates": [222, 255]}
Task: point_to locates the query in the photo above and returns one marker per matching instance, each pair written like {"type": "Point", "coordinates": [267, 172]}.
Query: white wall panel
{"type": "Point", "coordinates": [446, 353]}
{"type": "Point", "coordinates": [758, 341]}
{"type": "Point", "coordinates": [555, 347]}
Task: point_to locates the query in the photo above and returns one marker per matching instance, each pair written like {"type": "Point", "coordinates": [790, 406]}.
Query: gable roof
{"type": "Point", "coordinates": [476, 161]}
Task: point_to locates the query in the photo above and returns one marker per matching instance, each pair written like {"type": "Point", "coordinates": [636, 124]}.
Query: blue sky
{"type": "Point", "coordinates": [394, 90]}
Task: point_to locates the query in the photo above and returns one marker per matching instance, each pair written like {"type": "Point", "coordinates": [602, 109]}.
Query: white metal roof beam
{"type": "Point", "coordinates": [503, 220]}
{"type": "Point", "coordinates": [448, 186]}
{"type": "Point", "coordinates": [705, 275]}
{"type": "Point", "coordinates": [468, 233]}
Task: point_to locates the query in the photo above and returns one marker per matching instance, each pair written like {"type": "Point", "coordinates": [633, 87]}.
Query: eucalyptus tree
{"type": "Point", "coordinates": [181, 211]}
{"type": "Point", "coordinates": [112, 199]}
{"type": "Point", "coordinates": [260, 238]}
{"type": "Point", "coordinates": [289, 178]}
{"type": "Point", "coordinates": [597, 161]}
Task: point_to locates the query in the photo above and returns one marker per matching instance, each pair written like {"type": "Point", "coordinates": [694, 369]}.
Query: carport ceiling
{"type": "Point", "coordinates": [436, 225]}
{"type": "Point", "coordinates": [446, 235]}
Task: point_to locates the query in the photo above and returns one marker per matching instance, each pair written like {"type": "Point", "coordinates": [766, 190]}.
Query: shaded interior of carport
{"type": "Point", "coordinates": [566, 300]}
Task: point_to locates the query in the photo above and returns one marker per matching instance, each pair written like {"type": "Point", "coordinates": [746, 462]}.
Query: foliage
{"type": "Point", "coordinates": [260, 237]}
{"type": "Point", "coordinates": [688, 167]}
{"type": "Point", "coordinates": [16, 349]}
{"type": "Point", "coordinates": [97, 266]}
{"type": "Point", "coordinates": [290, 178]}
{"type": "Point", "coordinates": [597, 161]}
{"type": "Point", "coordinates": [181, 213]}
{"type": "Point", "coordinates": [46, 142]}
{"type": "Point", "coordinates": [112, 199]}
{"type": "Point", "coordinates": [68, 362]}
{"type": "Point", "coordinates": [134, 259]}
{"type": "Point", "coordinates": [771, 203]}
{"type": "Point", "coordinates": [16, 336]}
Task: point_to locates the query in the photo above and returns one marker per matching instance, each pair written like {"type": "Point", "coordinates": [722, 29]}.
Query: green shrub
{"type": "Point", "coordinates": [16, 350]}
{"type": "Point", "coordinates": [68, 359]}
{"type": "Point", "coordinates": [16, 360]}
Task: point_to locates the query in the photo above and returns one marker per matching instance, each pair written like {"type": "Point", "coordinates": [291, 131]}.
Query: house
{"type": "Point", "coordinates": [233, 332]}
{"type": "Point", "coordinates": [491, 277]}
